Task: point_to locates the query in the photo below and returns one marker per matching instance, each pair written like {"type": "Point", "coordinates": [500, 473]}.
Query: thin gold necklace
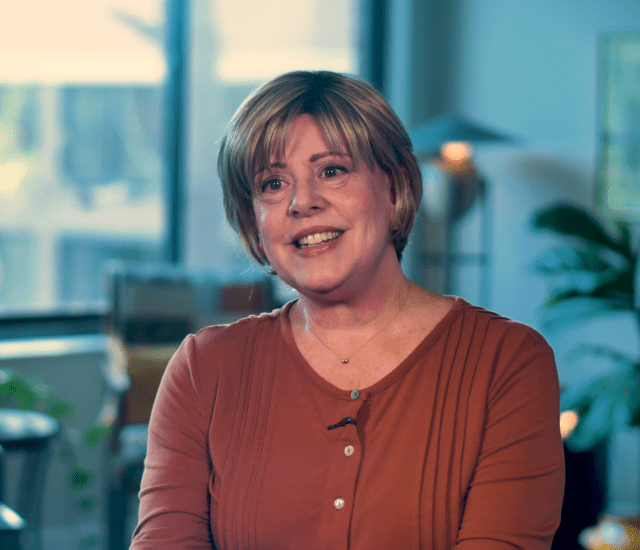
{"type": "Point", "coordinates": [346, 360]}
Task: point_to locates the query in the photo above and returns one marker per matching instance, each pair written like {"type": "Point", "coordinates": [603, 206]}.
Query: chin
{"type": "Point", "coordinates": [325, 288]}
{"type": "Point", "coordinates": [311, 283]}
{"type": "Point", "coordinates": [315, 287]}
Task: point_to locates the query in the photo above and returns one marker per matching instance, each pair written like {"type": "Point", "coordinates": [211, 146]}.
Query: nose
{"type": "Point", "coordinates": [306, 199]}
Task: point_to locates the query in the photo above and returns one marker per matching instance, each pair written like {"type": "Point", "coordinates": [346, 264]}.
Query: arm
{"type": "Point", "coordinates": [515, 497]}
{"type": "Point", "coordinates": [174, 496]}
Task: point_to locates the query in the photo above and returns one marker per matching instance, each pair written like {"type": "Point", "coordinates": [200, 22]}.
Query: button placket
{"type": "Point", "coordinates": [343, 481]}
{"type": "Point", "coordinates": [355, 394]}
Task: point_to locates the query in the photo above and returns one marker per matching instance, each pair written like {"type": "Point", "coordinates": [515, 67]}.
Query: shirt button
{"type": "Point", "coordinates": [349, 450]}
{"type": "Point", "coordinates": [338, 503]}
{"type": "Point", "coordinates": [355, 394]}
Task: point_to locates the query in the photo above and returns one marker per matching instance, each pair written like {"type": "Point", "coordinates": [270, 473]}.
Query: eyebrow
{"type": "Point", "coordinates": [313, 158]}
{"type": "Point", "coordinates": [318, 156]}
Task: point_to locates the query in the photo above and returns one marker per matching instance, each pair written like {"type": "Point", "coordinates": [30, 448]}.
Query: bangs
{"type": "Point", "coordinates": [339, 121]}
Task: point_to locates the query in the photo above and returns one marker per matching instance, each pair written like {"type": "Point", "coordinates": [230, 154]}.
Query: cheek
{"type": "Point", "coordinates": [386, 196]}
{"type": "Point", "coordinates": [386, 207]}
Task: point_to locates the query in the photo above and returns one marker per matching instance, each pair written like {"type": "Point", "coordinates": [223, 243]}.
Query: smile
{"type": "Point", "coordinates": [317, 238]}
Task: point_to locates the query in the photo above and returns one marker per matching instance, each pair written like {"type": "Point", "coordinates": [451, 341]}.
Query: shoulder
{"type": "Point", "coordinates": [218, 350]}
{"type": "Point", "coordinates": [512, 352]}
{"type": "Point", "coordinates": [233, 337]}
{"type": "Point", "coordinates": [500, 348]}
{"type": "Point", "coordinates": [451, 314]}
{"type": "Point", "coordinates": [220, 347]}
{"type": "Point", "coordinates": [497, 329]}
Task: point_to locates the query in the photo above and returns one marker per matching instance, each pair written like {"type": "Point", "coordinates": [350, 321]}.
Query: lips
{"type": "Point", "coordinates": [317, 238]}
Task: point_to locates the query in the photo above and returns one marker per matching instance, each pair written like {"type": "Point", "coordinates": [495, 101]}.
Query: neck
{"type": "Point", "coordinates": [360, 309]}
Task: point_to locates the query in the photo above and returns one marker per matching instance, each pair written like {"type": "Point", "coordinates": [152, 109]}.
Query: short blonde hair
{"type": "Point", "coordinates": [346, 108]}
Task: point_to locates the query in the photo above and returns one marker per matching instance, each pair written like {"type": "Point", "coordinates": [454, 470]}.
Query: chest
{"type": "Point", "coordinates": [386, 479]}
{"type": "Point", "coordinates": [371, 362]}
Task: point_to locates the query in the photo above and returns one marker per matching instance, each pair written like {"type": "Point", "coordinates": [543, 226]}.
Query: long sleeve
{"type": "Point", "coordinates": [174, 497]}
{"type": "Point", "coordinates": [515, 496]}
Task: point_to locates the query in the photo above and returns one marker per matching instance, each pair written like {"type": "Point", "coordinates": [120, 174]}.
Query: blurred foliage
{"type": "Point", "coordinates": [95, 435]}
{"type": "Point", "coordinates": [80, 478]}
{"type": "Point", "coordinates": [18, 391]}
{"type": "Point", "coordinates": [591, 274]}
{"type": "Point", "coordinates": [606, 402]}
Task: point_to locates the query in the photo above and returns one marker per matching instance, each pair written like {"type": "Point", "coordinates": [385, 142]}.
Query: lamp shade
{"type": "Point", "coordinates": [428, 138]}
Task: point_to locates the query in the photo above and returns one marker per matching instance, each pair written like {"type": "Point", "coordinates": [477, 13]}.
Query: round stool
{"type": "Point", "coordinates": [31, 433]}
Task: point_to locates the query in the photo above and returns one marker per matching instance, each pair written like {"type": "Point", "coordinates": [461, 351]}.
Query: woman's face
{"type": "Point", "coordinates": [323, 224]}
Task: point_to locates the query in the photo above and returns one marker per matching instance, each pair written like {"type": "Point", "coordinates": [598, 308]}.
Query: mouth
{"type": "Point", "coordinates": [317, 238]}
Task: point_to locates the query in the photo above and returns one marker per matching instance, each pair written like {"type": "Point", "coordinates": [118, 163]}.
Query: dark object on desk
{"type": "Point", "coordinates": [30, 433]}
{"type": "Point", "coordinates": [584, 496]}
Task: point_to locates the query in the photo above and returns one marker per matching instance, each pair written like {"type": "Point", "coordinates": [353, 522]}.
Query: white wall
{"type": "Point", "coordinates": [531, 66]}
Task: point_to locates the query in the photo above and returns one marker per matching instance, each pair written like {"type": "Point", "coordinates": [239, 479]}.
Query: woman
{"type": "Point", "coordinates": [370, 412]}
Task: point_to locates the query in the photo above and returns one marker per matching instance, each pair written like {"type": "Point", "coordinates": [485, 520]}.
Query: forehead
{"type": "Point", "coordinates": [281, 137]}
{"type": "Point", "coordinates": [306, 136]}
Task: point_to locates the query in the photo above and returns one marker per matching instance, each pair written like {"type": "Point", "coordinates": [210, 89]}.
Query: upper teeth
{"type": "Point", "coordinates": [318, 238]}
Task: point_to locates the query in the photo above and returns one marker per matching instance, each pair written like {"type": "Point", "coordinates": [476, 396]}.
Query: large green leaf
{"type": "Point", "coordinates": [571, 310]}
{"type": "Point", "coordinates": [572, 221]}
{"type": "Point", "coordinates": [605, 402]}
{"type": "Point", "coordinates": [574, 271]}
{"type": "Point", "coordinates": [591, 275]}
{"type": "Point", "coordinates": [616, 291]}
{"type": "Point", "coordinates": [569, 258]}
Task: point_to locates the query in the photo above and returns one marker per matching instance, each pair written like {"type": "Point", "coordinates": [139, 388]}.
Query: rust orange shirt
{"type": "Point", "coordinates": [459, 446]}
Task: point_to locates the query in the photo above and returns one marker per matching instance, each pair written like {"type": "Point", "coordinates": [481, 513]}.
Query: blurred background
{"type": "Point", "coordinates": [113, 244]}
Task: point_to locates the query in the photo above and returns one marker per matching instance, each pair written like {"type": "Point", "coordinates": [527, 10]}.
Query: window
{"type": "Point", "coordinates": [81, 154]}
{"type": "Point", "coordinates": [82, 100]}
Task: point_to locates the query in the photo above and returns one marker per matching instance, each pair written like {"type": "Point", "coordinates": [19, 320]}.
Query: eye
{"type": "Point", "coordinates": [333, 171]}
{"type": "Point", "coordinates": [271, 185]}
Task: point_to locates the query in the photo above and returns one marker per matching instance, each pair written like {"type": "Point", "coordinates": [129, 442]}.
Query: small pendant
{"type": "Point", "coordinates": [345, 360]}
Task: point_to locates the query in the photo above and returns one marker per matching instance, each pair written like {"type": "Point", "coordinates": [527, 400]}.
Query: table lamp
{"type": "Point", "coordinates": [446, 142]}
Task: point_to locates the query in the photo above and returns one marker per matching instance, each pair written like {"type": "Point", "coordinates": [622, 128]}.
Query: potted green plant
{"type": "Point", "coordinates": [18, 391]}
{"type": "Point", "coordinates": [591, 273]}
